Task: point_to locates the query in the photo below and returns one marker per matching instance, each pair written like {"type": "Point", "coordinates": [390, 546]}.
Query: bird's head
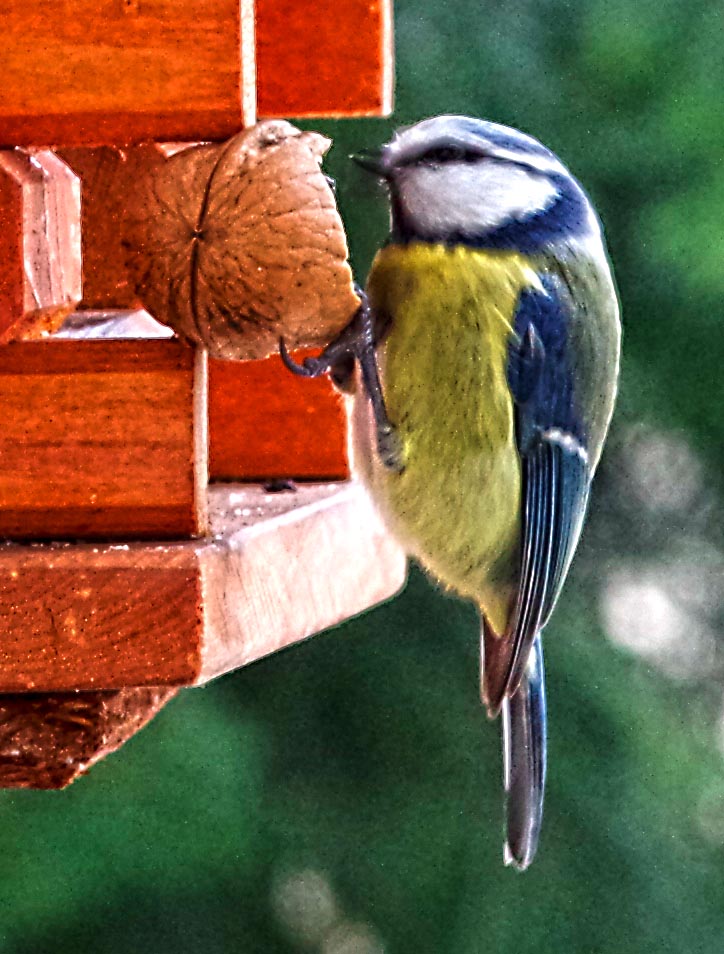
{"type": "Point", "coordinates": [458, 180]}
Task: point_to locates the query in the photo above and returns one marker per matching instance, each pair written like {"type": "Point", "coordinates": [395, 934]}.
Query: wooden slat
{"type": "Point", "coordinates": [265, 422]}
{"type": "Point", "coordinates": [98, 440]}
{"type": "Point", "coordinates": [108, 178]}
{"type": "Point", "coordinates": [95, 618]}
{"type": "Point", "coordinates": [12, 270]}
{"type": "Point", "coordinates": [48, 740]}
{"type": "Point", "coordinates": [40, 268]}
{"type": "Point", "coordinates": [327, 58]}
{"type": "Point", "coordinates": [119, 71]}
{"type": "Point", "coordinates": [277, 568]}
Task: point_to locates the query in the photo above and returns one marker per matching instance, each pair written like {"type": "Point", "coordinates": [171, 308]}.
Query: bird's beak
{"type": "Point", "coordinates": [376, 161]}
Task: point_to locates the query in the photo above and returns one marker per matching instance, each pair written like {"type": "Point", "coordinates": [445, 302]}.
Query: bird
{"type": "Point", "coordinates": [488, 343]}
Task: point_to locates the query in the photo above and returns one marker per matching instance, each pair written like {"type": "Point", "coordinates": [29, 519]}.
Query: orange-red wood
{"type": "Point", "coordinates": [265, 422]}
{"type": "Point", "coordinates": [98, 440]}
{"type": "Point", "coordinates": [48, 740]}
{"type": "Point", "coordinates": [327, 58]}
{"type": "Point", "coordinates": [114, 71]}
{"type": "Point", "coordinates": [40, 279]}
{"type": "Point", "coordinates": [277, 567]}
{"type": "Point", "coordinates": [108, 177]}
{"type": "Point", "coordinates": [86, 619]}
{"type": "Point", "coordinates": [12, 280]}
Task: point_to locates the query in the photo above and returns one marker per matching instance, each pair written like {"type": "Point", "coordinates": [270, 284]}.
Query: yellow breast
{"type": "Point", "coordinates": [456, 505]}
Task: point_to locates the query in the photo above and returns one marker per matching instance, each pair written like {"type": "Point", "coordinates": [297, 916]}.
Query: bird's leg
{"type": "Point", "coordinates": [356, 341]}
{"type": "Point", "coordinates": [388, 443]}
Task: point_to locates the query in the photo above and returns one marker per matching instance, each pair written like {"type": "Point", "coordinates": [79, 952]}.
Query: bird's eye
{"type": "Point", "coordinates": [448, 154]}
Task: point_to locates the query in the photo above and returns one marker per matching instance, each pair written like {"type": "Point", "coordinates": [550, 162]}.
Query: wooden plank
{"type": "Point", "coordinates": [328, 58]}
{"type": "Point", "coordinates": [99, 440]}
{"type": "Point", "coordinates": [12, 268]}
{"type": "Point", "coordinates": [289, 565]}
{"type": "Point", "coordinates": [48, 740]}
{"type": "Point", "coordinates": [264, 422]}
{"type": "Point", "coordinates": [40, 268]}
{"type": "Point", "coordinates": [81, 617]}
{"type": "Point", "coordinates": [108, 178]}
{"type": "Point", "coordinates": [98, 72]}
{"type": "Point", "coordinates": [277, 568]}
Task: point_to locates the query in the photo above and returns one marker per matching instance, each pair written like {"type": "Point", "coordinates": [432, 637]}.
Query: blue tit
{"type": "Point", "coordinates": [489, 350]}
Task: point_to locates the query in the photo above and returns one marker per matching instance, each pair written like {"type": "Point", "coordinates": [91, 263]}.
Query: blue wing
{"type": "Point", "coordinates": [551, 441]}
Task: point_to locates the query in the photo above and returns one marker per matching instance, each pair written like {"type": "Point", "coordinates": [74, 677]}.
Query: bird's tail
{"type": "Point", "coordinates": [524, 760]}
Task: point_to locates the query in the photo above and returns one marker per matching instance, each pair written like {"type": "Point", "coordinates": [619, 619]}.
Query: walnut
{"type": "Point", "coordinates": [238, 243]}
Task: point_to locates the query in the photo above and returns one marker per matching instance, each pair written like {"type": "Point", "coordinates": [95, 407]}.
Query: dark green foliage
{"type": "Point", "coordinates": [364, 755]}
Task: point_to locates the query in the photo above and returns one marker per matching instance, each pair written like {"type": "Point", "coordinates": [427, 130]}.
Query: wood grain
{"type": "Point", "coordinates": [40, 267]}
{"type": "Point", "coordinates": [108, 177]}
{"type": "Point", "coordinates": [327, 58]}
{"type": "Point", "coordinates": [264, 422]}
{"type": "Point", "coordinates": [12, 266]}
{"type": "Point", "coordinates": [277, 568]}
{"type": "Point", "coordinates": [277, 577]}
{"type": "Point", "coordinates": [85, 618]}
{"type": "Point", "coordinates": [98, 440]}
{"type": "Point", "coordinates": [48, 740]}
{"type": "Point", "coordinates": [97, 72]}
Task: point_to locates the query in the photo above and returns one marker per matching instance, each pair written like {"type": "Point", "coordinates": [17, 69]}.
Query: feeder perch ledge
{"type": "Point", "coordinates": [276, 568]}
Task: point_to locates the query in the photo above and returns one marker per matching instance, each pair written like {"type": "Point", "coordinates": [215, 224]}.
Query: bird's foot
{"type": "Point", "coordinates": [356, 341]}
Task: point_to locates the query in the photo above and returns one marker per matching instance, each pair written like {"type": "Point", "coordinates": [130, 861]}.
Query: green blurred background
{"type": "Point", "coordinates": [344, 796]}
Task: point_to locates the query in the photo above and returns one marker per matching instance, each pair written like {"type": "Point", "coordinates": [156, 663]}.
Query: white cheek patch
{"type": "Point", "coordinates": [471, 198]}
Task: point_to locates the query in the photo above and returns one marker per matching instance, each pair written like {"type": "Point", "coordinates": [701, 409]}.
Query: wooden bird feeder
{"type": "Point", "coordinates": [153, 539]}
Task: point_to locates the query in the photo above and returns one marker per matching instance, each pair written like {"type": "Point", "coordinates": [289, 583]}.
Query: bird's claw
{"type": "Point", "coordinates": [356, 342]}
{"type": "Point", "coordinates": [309, 368]}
